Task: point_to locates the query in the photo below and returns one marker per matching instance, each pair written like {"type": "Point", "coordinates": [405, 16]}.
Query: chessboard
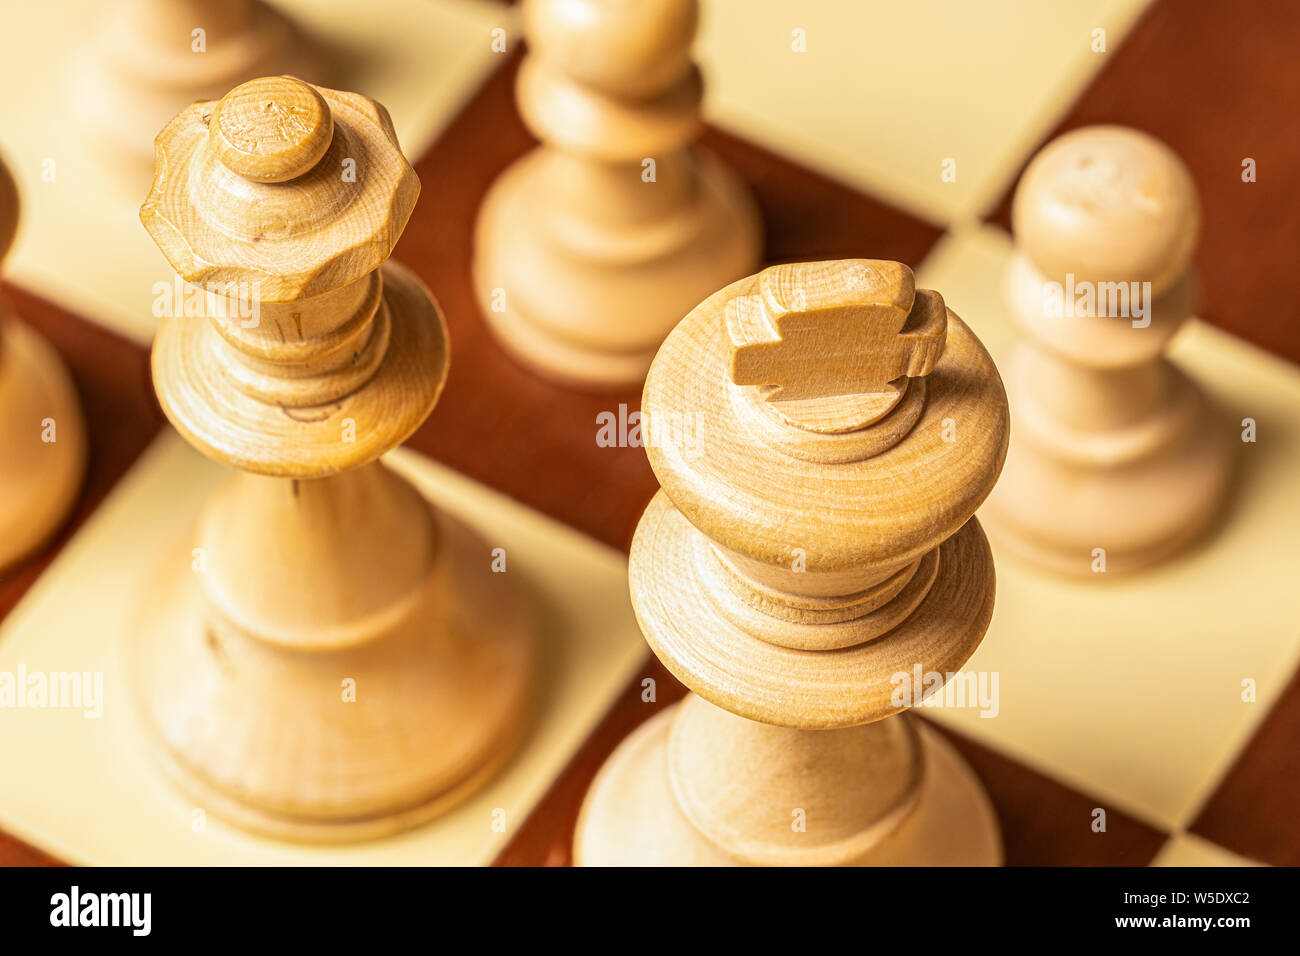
{"type": "Point", "coordinates": [881, 130]}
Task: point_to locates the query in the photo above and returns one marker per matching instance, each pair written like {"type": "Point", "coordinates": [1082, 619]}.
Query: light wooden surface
{"type": "Point", "coordinates": [320, 572]}
{"type": "Point", "coordinates": [313, 358]}
{"type": "Point", "coordinates": [42, 431]}
{"type": "Point", "coordinates": [272, 132]}
{"type": "Point", "coordinates": [1119, 458]}
{"type": "Point", "coordinates": [591, 247]}
{"type": "Point", "coordinates": [873, 523]}
{"type": "Point", "coordinates": [833, 348]}
{"type": "Point", "coordinates": [952, 824]}
{"type": "Point", "coordinates": [336, 221]}
{"type": "Point", "coordinates": [794, 624]}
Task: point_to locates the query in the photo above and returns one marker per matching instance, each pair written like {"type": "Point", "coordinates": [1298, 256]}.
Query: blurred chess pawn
{"type": "Point", "coordinates": [42, 434]}
{"type": "Point", "coordinates": [150, 58]}
{"type": "Point", "coordinates": [328, 657]}
{"type": "Point", "coordinates": [595, 244]}
{"type": "Point", "coordinates": [1117, 457]}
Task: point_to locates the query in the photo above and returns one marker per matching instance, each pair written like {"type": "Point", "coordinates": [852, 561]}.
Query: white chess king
{"type": "Point", "coordinates": [796, 566]}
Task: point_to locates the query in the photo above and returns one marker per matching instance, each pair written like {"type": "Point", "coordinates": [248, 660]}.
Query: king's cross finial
{"type": "Point", "coordinates": [822, 329]}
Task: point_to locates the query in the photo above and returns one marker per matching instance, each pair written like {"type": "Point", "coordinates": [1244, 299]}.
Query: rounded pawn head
{"type": "Point", "coordinates": [272, 129]}
{"type": "Point", "coordinates": [635, 48]}
{"type": "Point", "coordinates": [1107, 204]}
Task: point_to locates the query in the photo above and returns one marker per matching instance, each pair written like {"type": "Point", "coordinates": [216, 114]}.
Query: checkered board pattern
{"type": "Point", "coordinates": [1125, 696]}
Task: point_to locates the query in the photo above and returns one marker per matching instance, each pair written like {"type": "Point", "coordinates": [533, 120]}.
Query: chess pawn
{"type": "Point", "coordinates": [42, 434]}
{"type": "Point", "coordinates": [823, 433]}
{"type": "Point", "coordinates": [1117, 457]}
{"type": "Point", "coordinates": [151, 58]}
{"type": "Point", "coordinates": [328, 658]}
{"type": "Point", "coordinates": [592, 246]}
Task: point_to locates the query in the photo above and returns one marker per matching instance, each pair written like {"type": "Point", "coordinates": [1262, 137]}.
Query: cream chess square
{"type": "Point", "coordinates": [1132, 688]}
{"type": "Point", "coordinates": [885, 92]}
{"type": "Point", "coordinates": [1186, 849]}
{"type": "Point", "coordinates": [87, 790]}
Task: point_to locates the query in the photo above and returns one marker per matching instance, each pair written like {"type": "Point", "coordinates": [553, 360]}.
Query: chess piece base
{"type": "Point", "coordinates": [630, 817]}
{"type": "Point", "coordinates": [593, 314]}
{"type": "Point", "coordinates": [39, 480]}
{"type": "Point", "coordinates": [263, 734]}
{"type": "Point", "coordinates": [1054, 512]}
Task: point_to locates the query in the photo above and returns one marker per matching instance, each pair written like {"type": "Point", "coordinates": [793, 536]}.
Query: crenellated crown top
{"type": "Point", "coordinates": [299, 356]}
{"type": "Point", "coordinates": [292, 189]}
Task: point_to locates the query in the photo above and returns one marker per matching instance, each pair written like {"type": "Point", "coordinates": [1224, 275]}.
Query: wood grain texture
{"type": "Point", "coordinates": [636, 814]}
{"type": "Point", "coordinates": [272, 131]}
{"type": "Point", "coordinates": [303, 357]}
{"type": "Point", "coordinates": [287, 221]}
{"type": "Point", "coordinates": [1218, 91]}
{"type": "Point", "coordinates": [730, 560]}
{"type": "Point", "coordinates": [747, 487]}
{"type": "Point", "coordinates": [831, 345]}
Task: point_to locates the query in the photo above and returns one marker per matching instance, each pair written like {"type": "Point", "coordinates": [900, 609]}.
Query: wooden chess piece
{"type": "Point", "coordinates": [823, 433]}
{"type": "Point", "coordinates": [592, 246]}
{"type": "Point", "coordinates": [151, 58]}
{"type": "Point", "coordinates": [329, 658]}
{"type": "Point", "coordinates": [42, 434]}
{"type": "Point", "coordinates": [1117, 457]}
